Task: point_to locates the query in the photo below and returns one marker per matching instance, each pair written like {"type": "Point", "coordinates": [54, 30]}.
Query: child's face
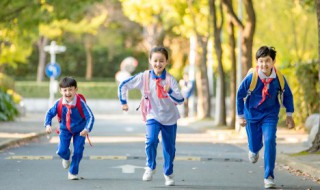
{"type": "Point", "coordinates": [265, 64]}
{"type": "Point", "coordinates": [158, 62]}
{"type": "Point", "coordinates": [68, 93]}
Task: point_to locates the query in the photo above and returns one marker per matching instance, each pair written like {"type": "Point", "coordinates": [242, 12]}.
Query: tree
{"type": "Point", "coordinates": [233, 75]}
{"type": "Point", "coordinates": [316, 143]}
{"type": "Point", "coordinates": [248, 29]}
{"type": "Point", "coordinates": [202, 34]}
{"type": "Point", "coordinates": [20, 25]}
{"type": "Point", "coordinates": [221, 92]}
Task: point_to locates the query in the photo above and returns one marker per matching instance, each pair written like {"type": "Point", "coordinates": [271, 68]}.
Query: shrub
{"type": "Point", "coordinates": [91, 90]}
{"type": "Point", "coordinates": [8, 109]}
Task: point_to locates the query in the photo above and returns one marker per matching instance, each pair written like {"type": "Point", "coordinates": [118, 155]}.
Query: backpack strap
{"type": "Point", "coordinates": [146, 78]}
{"type": "Point", "coordinates": [281, 79]}
{"type": "Point", "coordinates": [254, 79]}
{"type": "Point", "coordinates": [253, 82]}
{"type": "Point", "coordinates": [78, 104]}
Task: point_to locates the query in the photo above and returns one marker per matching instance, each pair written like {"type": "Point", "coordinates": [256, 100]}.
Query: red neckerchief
{"type": "Point", "coordinates": [160, 91]}
{"type": "Point", "coordinates": [265, 89]}
{"type": "Point", "coordinates": [68, 118]}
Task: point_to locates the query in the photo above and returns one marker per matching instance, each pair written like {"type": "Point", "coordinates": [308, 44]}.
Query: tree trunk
{"type": "Point", "coordinates": [233, 85]}
{"type": "Point", "coordinates": [42, 42]}
{"type": "Point", "coordinates": [221, 95]}
{"type": "Point", "coordinates": [204, 102]}
{"type": "Point", "coordinates": [89, 58]}
{"type": "Point", "coordinates": [153, 36]}
{"type": "Point", "coordinates": [202, 82]}
{"type": "Point", "coordinates": [316, 143]}
{"type": "Point", "coordinates": [247, 30]}
{"type": "Point", "coordinates": [247, 37]}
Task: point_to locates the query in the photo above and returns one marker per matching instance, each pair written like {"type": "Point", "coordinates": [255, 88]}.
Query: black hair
{"type": "Point", "coordinates": [67, 82]}
{"type": "Point", "coordinates": [264, 51]}
{"type": "Point", "coordinates": [160, 49]}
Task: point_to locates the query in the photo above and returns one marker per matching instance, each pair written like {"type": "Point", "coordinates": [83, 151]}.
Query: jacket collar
{"type": "Point", "coordinates": [73, 103]}
{"type": "Point", "coordinates": [263, 76]}
{"type": "Point", "coordinates": [162, 76]}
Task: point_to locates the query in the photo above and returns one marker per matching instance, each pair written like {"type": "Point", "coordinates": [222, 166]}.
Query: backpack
{"type": "Point", "coordinates": [254, 81]}
{"type": "Point", "coordinates": [145, 103]}
{"type": "Point", "coordinates": [78, 105]}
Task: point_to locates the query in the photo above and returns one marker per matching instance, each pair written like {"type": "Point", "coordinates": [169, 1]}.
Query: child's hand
{"type": "Point", "coordinates": [125, 107]}
{"type": "Point", "coordinates": [242, 121]}
{"type": "Point", "coordinates": [84, 133]}
{"type": "Point", "coordinates": [290, 122]}
{"type": "Point", "coordinates": [48, 129]}
{"type": "Point", "coordinates": [166, 88]}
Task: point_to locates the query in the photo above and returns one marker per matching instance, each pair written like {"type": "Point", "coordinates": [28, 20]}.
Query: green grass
{"type": "Point", "coordinates": [304, 153]}
{"type": "Point", "coordinates": [91, 90]}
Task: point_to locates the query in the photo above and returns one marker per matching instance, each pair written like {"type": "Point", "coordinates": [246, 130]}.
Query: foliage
{"type": "Point", "coordinates": [8, 109]}
{"type": "Point", "coordinates": [20, 21]}
{"type": "Point", "coordinates": [92, 90]}
{"type": "Point", "coordinates": [6, 82]}
{"type": "Point", "coordinates": [307, 76]}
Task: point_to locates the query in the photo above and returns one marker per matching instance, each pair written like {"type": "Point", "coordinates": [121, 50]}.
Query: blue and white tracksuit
{"type": "Point", "coordinates": [77, 125]}
{"type": "Point", "coordinates": [262, 120]}
{"type": "Point", "coordinates": [162, 117]}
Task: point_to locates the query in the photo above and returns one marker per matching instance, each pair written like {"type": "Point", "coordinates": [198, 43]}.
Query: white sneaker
{"type": "Point", "coordinates": [253, 158]}
{"type": "Point", "coordinates": [169, 180]}
{"type": "Point", "coordinates": [147, 176]}
{"type": "Point", "coordinates": [66, 163]}
{"type": "Point", "coordinates": [72, 177]}
{"type": "Point", "coordinates": [269, 183]}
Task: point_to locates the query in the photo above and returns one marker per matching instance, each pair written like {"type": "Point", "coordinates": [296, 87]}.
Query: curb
{"type": "Point", "coordinates": [13, 142]}
{"type": "Point", "coordinates": [298, 165]}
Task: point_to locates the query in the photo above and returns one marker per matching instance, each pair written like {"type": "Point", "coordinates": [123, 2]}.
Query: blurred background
{"type": "Point", "coordinates": [212, 41]}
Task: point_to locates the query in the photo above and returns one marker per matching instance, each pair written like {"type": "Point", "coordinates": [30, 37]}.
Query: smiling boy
{"type": "Point", "coordinates": [75, 123]}
{"type": "Point", "coordinates": [258, 110]}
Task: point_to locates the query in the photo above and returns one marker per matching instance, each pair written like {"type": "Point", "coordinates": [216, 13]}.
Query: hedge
{"type": "Point", "coordinates": [91, 90]}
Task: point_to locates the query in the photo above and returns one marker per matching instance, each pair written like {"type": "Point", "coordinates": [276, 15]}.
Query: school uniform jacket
{"type": "Point", "coordinates": [270, 107]}
{"type": "Point", "coordinates": [77, 122]}
{"type": "Point", "coordinates": [163, 110]}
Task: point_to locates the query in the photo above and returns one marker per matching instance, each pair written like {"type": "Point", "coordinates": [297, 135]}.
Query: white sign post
{"type": "Point", "coordinates": [54, 71]}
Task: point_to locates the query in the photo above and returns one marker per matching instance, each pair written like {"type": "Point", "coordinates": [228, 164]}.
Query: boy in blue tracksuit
{"type": "Point", "coordinates": [259, 110]}
{"type": "Point", "coordinates": [74, 123]}
{"type": "Point", "coordinates": [162, 115]}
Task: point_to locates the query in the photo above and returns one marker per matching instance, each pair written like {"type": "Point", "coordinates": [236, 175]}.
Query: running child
{"type": "Point", "coordinates": [162, 113]}
{"type": "Point", "coordinates": [258, 109]}
{"type": "Point", "coordinates": [76, 121]}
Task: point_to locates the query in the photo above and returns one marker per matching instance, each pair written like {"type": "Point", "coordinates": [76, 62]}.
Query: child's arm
{"type": "Point", "coordinates": [134, 82]}
{"type": "Point", "coordinates": [125, 107]}
{"type": "Point", "coordinates": [174, 91]}
{"type": "Point", "coordinates": [242, 121]}
{"type": "Point", "coordinates": [241, 94]}
{"type": "Point", "coordinates": [89, 118]}
{"type": "Point", "coordinates": [288, 99]}
{"type": "Point", "coordinates": [290, 122]}
{"type": "Point", "coordinates": [51, 113]}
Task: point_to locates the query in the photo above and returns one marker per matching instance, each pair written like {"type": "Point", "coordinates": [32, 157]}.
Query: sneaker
{"type": "Point", "coordinates": [72, 177]}
{"type": "Point", "coordinates": [66, 163]}
{"type": "Point", "coordinates": [269, 183]}
{"type": "Point", "coordinates": [253, 158]}
{"type": "Point", "coordinates": [147, 176]}
{"type": "Point", "coordinates": [169, 180]}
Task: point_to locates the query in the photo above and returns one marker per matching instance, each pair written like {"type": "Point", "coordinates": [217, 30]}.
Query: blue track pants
{"type": "Point", "coordinates": [168, 133]}
{"type": "Point", "coordinates": [78, 147]}
{"type": "Point", "coordinates": [267, 131]}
